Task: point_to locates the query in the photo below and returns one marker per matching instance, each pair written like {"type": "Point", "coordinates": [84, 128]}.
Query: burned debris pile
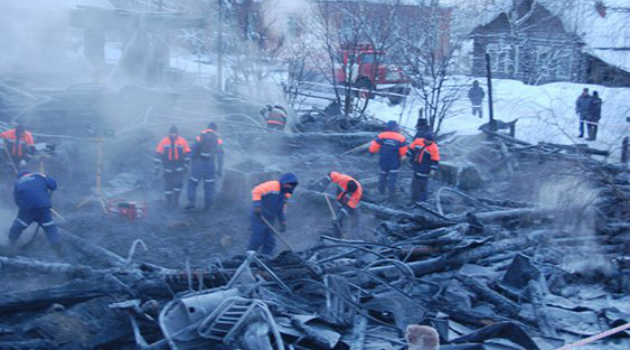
{"type": "Point", "coordinates": [486, 273]}
{"type": "Point", "coordinates": [520, 246]}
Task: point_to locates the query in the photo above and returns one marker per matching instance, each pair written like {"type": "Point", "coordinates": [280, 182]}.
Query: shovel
{"type": "Point", "coordinates": [275, 231]}
{"type": "Point", "coordinates": [333, 213]}
{"type": "Point", "coordinates": [277, 234]}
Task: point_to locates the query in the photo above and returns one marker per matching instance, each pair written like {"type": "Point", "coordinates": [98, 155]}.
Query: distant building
{"type": "Point", "coordinates": [538, 42]}
{"type": "Point", "coordinates": [428, 26]}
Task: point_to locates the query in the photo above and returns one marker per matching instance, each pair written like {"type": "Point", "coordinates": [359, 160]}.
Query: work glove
{"type": "Point", "coordinates": [22, 163]}
{"type": "Point", "coordinates": [283, 227]}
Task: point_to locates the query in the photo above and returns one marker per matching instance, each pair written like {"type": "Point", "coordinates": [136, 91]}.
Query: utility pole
{"type": "Point", "coordinates": [220, 49]}
{"type": "Point", "coordinates": [493, 126]}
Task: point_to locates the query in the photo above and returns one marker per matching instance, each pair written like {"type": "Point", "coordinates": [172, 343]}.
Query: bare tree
{"type": "Point", "coordinates": [428, 58]}
{"type": "Point", "coordinates": [348, 33]}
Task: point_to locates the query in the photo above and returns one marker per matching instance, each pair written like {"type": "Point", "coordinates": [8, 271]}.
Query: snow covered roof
{"type": "Point", "coordinates": [607, 38]}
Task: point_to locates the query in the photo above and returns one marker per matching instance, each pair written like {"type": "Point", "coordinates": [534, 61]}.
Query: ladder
{"type": "Point", "coordinates": [223, 323]}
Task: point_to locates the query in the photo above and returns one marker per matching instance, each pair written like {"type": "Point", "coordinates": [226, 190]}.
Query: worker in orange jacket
{"type": "Point", "coordinates": [269, 203]}
{"type": "Point", "coordinates": [349, 193]}
{"type": "Point", "coordinates": [425, 160]}
{"type": "Point", "coordinates": [19, 145]}
{"type": "Point", "coordinates": [172, 155]}
{"type": "Point", "coordinates": [275, 116]}
{"type": "Point", "coordinates": [391, 147]}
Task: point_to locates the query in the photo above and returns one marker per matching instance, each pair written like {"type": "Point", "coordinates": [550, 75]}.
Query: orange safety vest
{"type": "Point", "coordinates": [18, 147]}
{"type": "Point", "coordinates": [420, 149]}
{"type": "Point", "coordinates": [342, 181]}
{"type": "Point", "coordinates": [276, 116]}
{"type": "Point", "coordinates": [173, 151]}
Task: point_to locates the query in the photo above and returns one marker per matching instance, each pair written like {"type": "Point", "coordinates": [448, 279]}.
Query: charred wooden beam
{"type": "Point", "coordinates": [455, 261]}
{"type": "Point", "coordinates": [36, 344]}
{"type": "Point", "coordinates": [458, 313]}
{"type": "Point", "coordinates": [540, 310]}
{"type": "Point", "coordinates": [424, 218]}
{"type": "Point", "coordinates": [513, 214]}
{"type": "Point", "coordinates": [484, 293]}
{"type": "Point", "coordinates": [506, 138]}
{"type": "Point", "coordinates": [31, 265]}
{"type": "Point", "coordinates": [576, 149]}
{"type": "Point", "coordinates": [69, 293]}
{"type": "Point", "coordinates": [90, 251]}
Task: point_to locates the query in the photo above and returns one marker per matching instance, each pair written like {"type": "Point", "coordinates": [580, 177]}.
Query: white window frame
{"type": "Point", "coordinates": [509, 60]}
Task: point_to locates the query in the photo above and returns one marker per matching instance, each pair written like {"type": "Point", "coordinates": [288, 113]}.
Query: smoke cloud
{"type": "Point", "coordinates": [37, 40]}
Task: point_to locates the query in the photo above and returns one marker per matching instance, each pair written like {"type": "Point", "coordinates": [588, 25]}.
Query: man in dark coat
{"type": "Point", "coordinates": [476, 96]}
{"type": "Point", "coordinates": [595, 114]}
{"type": "Point", "coordinates": [582, 108]}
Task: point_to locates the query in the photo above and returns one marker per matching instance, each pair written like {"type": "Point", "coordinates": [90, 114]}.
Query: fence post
{"type": "Point", "coordinates": [625, 150]}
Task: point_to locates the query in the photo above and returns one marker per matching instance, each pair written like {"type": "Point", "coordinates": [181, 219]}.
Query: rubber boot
{"type": "Point", "coordinates": [58, 250]}
{"type": "Point", "coordinates": [10, 249]}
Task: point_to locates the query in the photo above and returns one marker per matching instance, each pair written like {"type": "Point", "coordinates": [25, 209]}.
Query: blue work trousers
{"type": "Point", "coordinates": [420, 187]}
{"type": "Point", "coordinates": [173, 183]}
{"type": "Point", "coordinates": [42, 217]}
{"type": "Point", "coordinates": [202, 170]}
{"type": "Point", "coordinates": [387, 178]}
{"type": "Point", "coordinates": [262, 236]}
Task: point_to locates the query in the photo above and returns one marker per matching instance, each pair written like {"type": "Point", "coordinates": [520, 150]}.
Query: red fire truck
{"type": "Point", "coordinates": [368, 70]}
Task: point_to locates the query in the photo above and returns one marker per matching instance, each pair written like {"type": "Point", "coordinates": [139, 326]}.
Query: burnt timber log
{"type": "Point", "coordinates": [457, 260]}
{"type": "Point", "coordinates": [69, 293]}
{"type": "Point", "coordinates": [484, 293]}
{"type": "Point", "coordinates": [512, 214]}
{"type": "Point", "coordinates": [540, 309]}
{"type": "Point", "coordinates": [425, 219]}
{"type": "Point", "coordinates": [80, 250]}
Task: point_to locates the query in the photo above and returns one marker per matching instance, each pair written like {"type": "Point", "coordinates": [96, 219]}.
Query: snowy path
{"type": "Point", "coordinates": [545, 113]}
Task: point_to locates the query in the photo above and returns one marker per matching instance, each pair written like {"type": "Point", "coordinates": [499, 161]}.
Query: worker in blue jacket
{"type": "Point", "coordinates": [207, 163]}
{"type": "Point", "coordinates": [32, 195]}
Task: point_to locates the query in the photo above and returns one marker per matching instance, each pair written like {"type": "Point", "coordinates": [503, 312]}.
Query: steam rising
{"type": "Point", "coordinates": [37, 41]}
{"type": "Point", "coordinates": [574, 201]}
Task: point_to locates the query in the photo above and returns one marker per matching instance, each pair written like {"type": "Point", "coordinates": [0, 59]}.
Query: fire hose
{"type": "Point", "coordinates": [596, 337]}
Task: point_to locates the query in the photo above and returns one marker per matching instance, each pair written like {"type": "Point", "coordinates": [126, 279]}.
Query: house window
{"type": "Point", "coordinates": [564, 70]}
{"type": "Point", "coordinates": [252, 21]}
{"type": "Point", "coordinates": [552, 62]}
{"type": "Point", "coordinates": [502, 58]}
{"type": "Point", "coordinates": [346, 29]}
{"type": "Point", "coordinates": [292, 27]}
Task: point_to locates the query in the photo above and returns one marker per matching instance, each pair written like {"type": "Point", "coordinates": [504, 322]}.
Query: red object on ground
{"type": "Point", "coordinates": [127, 209]}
